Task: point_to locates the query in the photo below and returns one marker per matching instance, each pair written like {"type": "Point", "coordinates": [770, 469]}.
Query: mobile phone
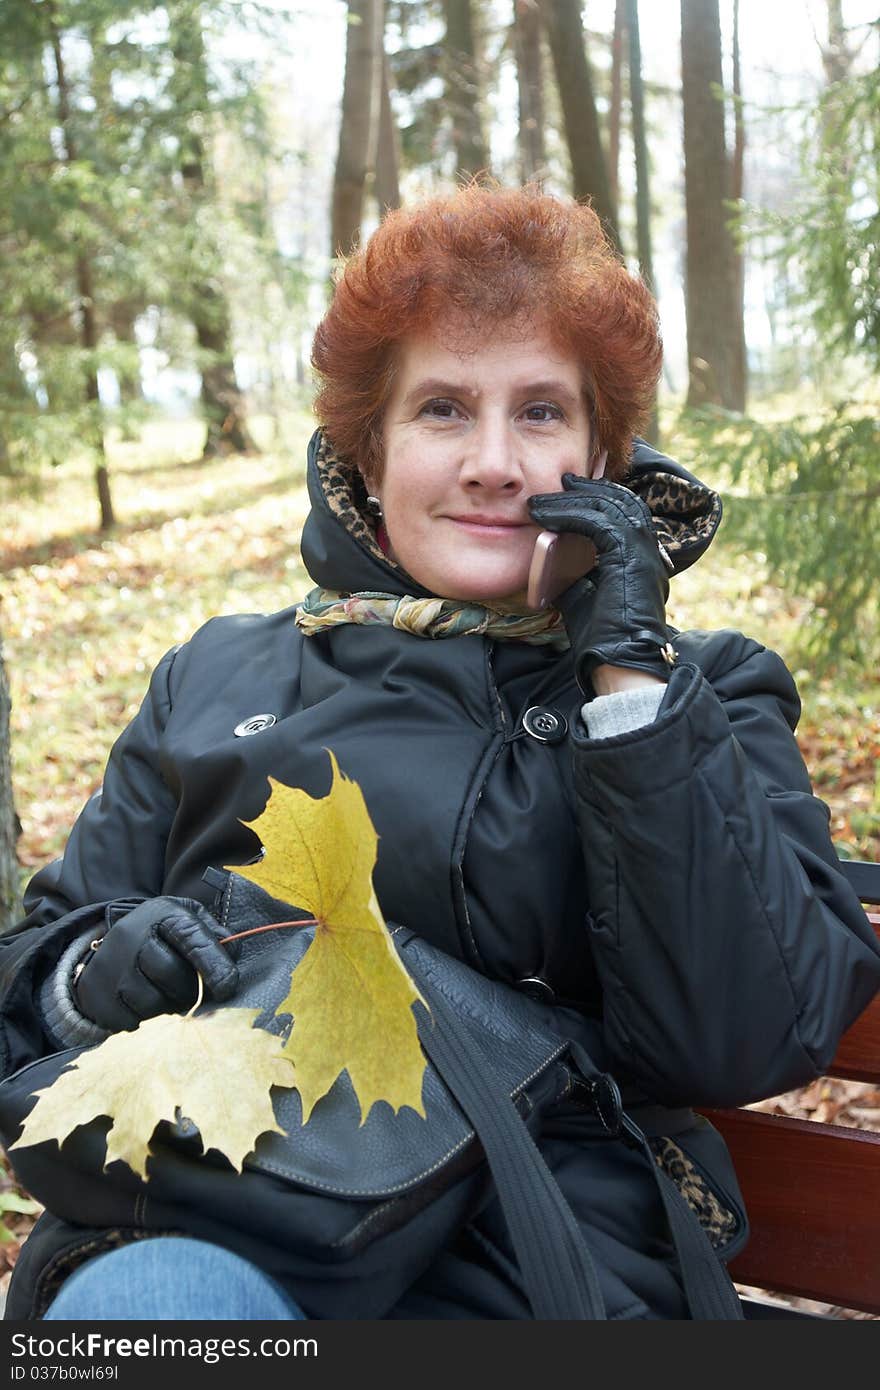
{"type": "Point", "coordinates": [559, 558]}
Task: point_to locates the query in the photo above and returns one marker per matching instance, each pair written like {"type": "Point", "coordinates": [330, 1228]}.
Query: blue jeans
{"type": "Point", "coordinates": [169, 1278]}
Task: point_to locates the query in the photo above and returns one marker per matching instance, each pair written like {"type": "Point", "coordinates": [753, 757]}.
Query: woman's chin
{"type": "Point", "coordinates": [501, 596]}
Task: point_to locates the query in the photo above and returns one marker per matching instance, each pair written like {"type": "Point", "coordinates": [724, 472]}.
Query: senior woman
{"type": "Point", "coordinates": [573, 800]}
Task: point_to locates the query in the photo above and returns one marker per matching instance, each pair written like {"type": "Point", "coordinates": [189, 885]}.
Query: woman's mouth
{"type": "Point", "coordinates": [479, 525]}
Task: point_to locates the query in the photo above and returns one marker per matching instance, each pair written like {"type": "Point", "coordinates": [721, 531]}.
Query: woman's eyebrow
{"type": "Point", "coordinates": [437, 386]}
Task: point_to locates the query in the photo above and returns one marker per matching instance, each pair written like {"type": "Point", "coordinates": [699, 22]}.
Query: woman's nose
{"type": "Point", "coordinates": [491, 457]}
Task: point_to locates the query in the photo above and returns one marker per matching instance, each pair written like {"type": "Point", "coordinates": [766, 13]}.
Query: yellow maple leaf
{"type": "Point", "coordinates": [350, 997]}
{"type": "Point", "coordinates": [215, 1071]}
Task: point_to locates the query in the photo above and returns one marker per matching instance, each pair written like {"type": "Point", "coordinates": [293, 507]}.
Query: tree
{"type": "Point", "coordinates": [109, 206]}
{"type": "Point", "coordinates": [22, 126]}
{"type": "Point", "coordinates": [204, 293]}
{"type": "Point", "coordinates": [616, 101]}
{"type": "Point", "coordinates": [359, 124]}
{"type": "Point", "coordinates": [813, 503]}
{"type": "Point", "coordinates": [837, 57]}
{"type": "Point", "coordinates": [737, 172]}
{"type": "Point", "coordinates": [84, 272]}
{"type": "Point", "coordinates": [66, 217]}
{"type": "Point", "coordinates": [9, 827]}
{"type": "Point", "coordinates": [589, 169]}
{"type": "Point", "coordinates": [60, 213]}
{"type": "Point", "coordinates": [464, 88]}
{"type": "Point", "coordinates": [14, 394]}
{"type": "Point", "coordinates": [387, 186]}
{"type": "Point", "coordinates": [640, 147]}
{"type": "Point", "coordinates": [530, 86]}
{"type": "Point", "coordinates": [715, 333]}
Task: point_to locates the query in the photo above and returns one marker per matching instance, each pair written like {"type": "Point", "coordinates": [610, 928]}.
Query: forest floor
{"type": "Point", "coordinates": [85, 617]}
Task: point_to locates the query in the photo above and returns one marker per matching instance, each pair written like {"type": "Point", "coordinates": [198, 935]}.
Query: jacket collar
{"type": "Point", "coordinates": [686, 512]}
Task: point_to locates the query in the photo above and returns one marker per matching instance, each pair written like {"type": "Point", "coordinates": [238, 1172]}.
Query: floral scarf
{"type": "Point", "coordinates": [428, 617]}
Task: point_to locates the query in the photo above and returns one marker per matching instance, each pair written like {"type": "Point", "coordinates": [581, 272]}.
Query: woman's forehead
{"type": "Point", "coordinates": [478, 357]}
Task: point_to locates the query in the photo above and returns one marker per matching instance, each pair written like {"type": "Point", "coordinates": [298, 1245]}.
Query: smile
{"type": "Point", "coordinates": [488, 526]}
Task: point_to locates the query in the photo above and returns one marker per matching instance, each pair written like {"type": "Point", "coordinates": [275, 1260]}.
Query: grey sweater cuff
{"type": "Point", "coordinates": [61, 1016]}
{"type": "Point", "coordinates": [622, 712]}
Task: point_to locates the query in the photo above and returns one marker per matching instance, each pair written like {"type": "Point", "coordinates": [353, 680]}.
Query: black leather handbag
{"type": "Point", "coordinates": [347, 1215]}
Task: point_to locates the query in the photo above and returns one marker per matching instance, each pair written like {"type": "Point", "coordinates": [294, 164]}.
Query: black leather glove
{"type": "Point", "coordinates": [617, 614]}
{"type": "Point", "coordinates": [146, 964]}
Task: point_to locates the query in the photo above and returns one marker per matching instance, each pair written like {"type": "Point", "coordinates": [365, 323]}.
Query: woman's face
{"type": "Point", "coordinates": [469, 436]}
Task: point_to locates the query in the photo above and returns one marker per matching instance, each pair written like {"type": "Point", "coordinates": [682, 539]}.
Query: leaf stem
{"type": "Point", "coordinates": [199, 997]}
{"type": "Point", "coordinates": [270, 926]}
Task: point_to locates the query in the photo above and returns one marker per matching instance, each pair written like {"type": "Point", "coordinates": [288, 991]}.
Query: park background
{"type": "Point", "coordinates": [176, 183]}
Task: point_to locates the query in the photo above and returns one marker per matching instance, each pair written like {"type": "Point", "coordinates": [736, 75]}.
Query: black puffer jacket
{"type": "Point", "coordinates": [677, 882]}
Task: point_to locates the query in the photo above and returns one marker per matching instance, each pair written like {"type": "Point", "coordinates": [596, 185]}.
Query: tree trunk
{"type": "Point", "coordinates": [223, 403]}
{"type": "Point", "coordinates": [358, 128]}
{"type": "Point", "coordinates": [589, 170]}
{"type": "Point", "coordinates": [122, 316]}
{"type": "Point", "coordinates": [614, 109]}
{"type": "Point", "coordinates": [737, 178]}
{"type": "Point", "coordinates": [737, 166]}
{"type": "Point", "coordinates": [837, 61]}
{"type": "Point", "coordinates": [13, 392]}
{"type": "Point", "coordinates": [836, 56]}
{"type": "Point", "coordinates": [530, 83]}
{"type": "Point", "coordinates": [464, 89]}
{"type": "Point", "coordinates": [715, 335]}
{"type": "Point", "coordinates": [387, 186]}
{"type": "Point", "coordinates": [9, 824]}
{"type": "Point", "coordinates": [640, 148]}
{"type": "Point", "coordinates": [85, 285]}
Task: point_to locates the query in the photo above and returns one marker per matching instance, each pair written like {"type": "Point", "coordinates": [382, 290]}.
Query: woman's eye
{"type": "Point", "coordinates": [439, 409]}
{"type": "Point", "coordinates": [542, 411]}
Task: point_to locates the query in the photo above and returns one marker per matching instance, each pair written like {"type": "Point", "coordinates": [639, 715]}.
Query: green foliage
{"type": "Point", "coordinates": [806, 492]}
{"type": "Point", "coordinates": [805, 495]}
{"type": "Point", "coordinates": [827, 245]}
{"type": "Point", "coordinates": [114, 168]}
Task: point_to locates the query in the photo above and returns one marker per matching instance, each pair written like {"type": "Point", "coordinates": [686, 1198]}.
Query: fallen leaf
{"type": "Point", "coordinates": [350, 997]}
{"type": "Point", "coordinates": [170, 1068]}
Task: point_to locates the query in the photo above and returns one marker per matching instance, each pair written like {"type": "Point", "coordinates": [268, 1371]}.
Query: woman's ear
{"type": "Point", "coordinates": [596, 464]}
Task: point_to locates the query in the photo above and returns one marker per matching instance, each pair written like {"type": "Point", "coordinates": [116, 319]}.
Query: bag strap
{"type": "Point", "coordinates": [557, 1269]}
{"type": "Point", "coordinates": [708, 1287]}
{"type": "Point", "coordinates": [707, 1284]}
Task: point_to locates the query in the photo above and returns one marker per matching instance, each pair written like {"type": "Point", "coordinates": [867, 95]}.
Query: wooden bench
{"type": "Point", "coordinates": [812, 1190]}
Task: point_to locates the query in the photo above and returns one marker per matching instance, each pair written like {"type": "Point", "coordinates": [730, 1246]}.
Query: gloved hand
{"type": "Point", "coordinates": [617, 614]}
{"type": "Point", "coordinates": [146, 964]}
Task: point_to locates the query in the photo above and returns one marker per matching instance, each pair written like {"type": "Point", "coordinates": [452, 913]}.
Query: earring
{"type": "Point", "coordinates": [374, 506]}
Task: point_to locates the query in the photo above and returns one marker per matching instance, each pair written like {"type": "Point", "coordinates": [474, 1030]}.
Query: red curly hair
{"type": "Point", "coordinates": [475, 259]}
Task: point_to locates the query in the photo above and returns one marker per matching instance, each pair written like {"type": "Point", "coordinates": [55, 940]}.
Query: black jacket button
{"type": "Point", "coordinates": [546, 725]}
{"type": "Point", "coordinates": [537, 989]}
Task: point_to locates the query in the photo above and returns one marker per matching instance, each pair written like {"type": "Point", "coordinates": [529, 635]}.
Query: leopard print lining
{"type": "Point", "coordinates": [717, 1220]}
{"type": "Point", "coordinates": [346, 495]}
{"type": "Point", "coordinates": [685, 514]}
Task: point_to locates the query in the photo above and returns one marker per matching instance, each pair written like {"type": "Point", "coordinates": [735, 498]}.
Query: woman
{"type": "Point", "coordinates": [575, 801]}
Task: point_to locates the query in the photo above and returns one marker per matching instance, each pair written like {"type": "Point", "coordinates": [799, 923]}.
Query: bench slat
{"type": "Point", "coordinates": [858, 1056]}
{"type": "Point", "coordinates": [864, 878]}
{"type": "Point", "coordinates": [815, 1214]}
